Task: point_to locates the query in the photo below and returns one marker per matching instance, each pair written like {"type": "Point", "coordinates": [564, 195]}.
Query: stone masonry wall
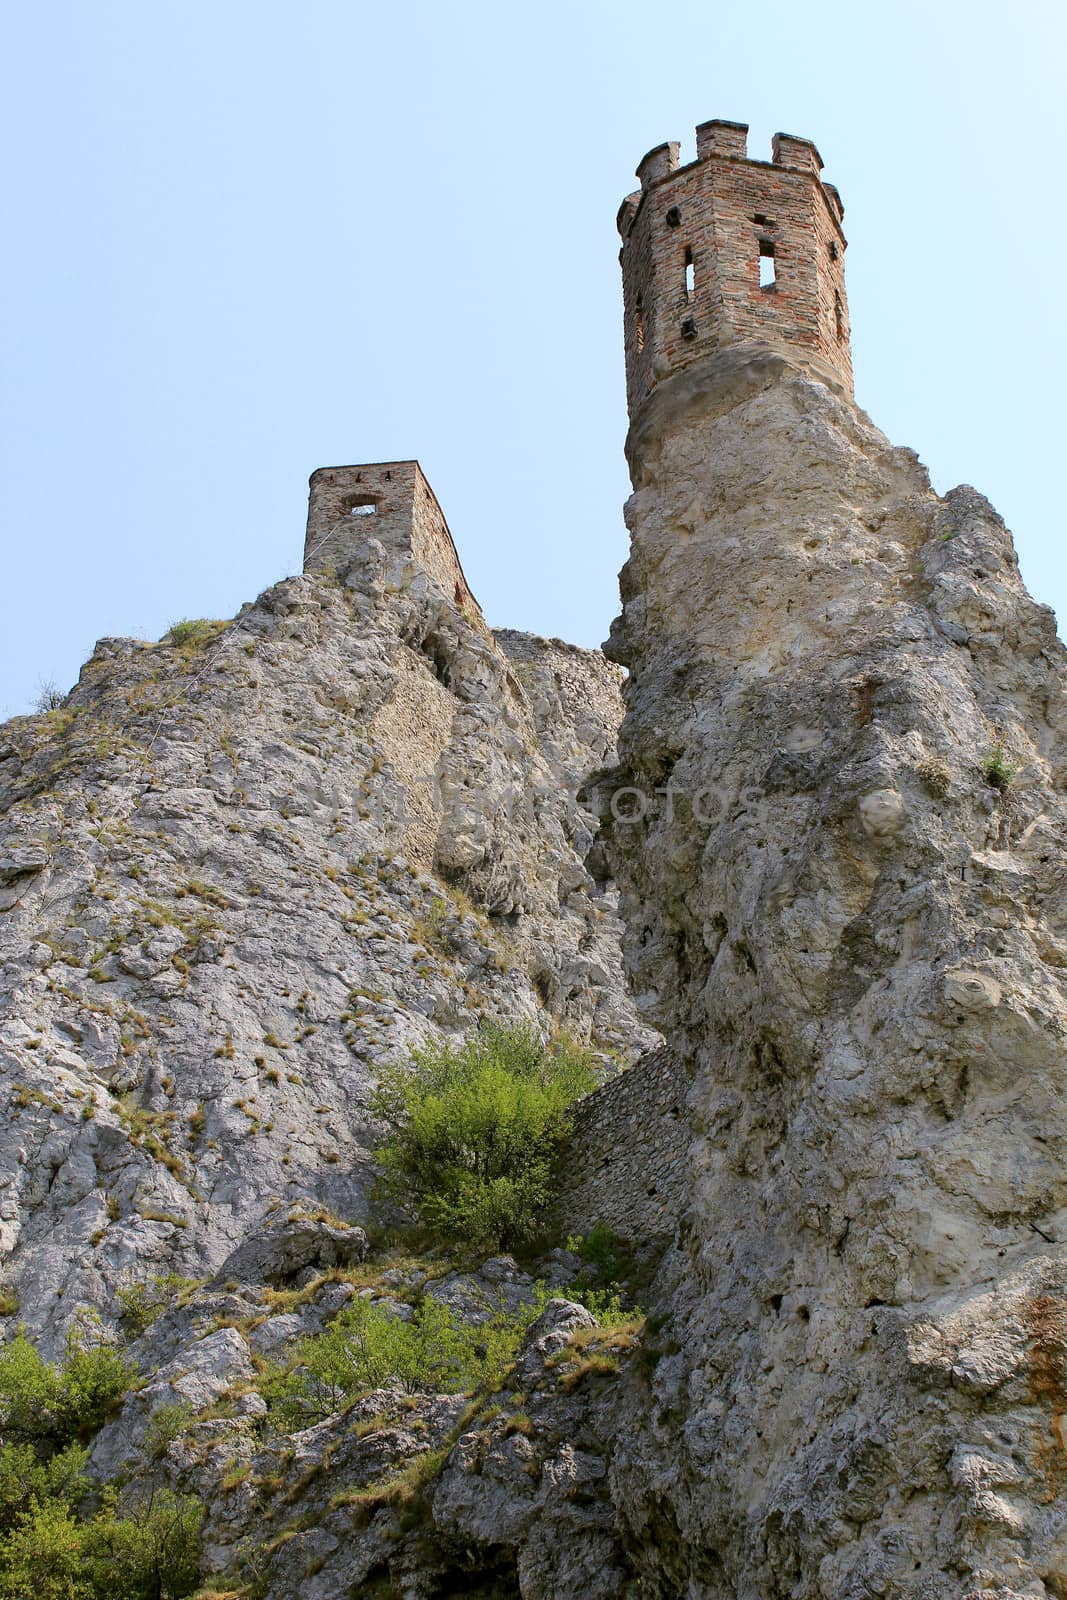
{"type": "Point", "coordinates": [715, 217]}
{"type": "Point", "coordinates": [626, 1161]}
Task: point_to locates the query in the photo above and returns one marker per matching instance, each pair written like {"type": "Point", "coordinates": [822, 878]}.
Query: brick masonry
{"type": "Point", "coordinates": [692, 239]}
{"type": "Point", "coordinates": [626, 1163]}
{"type": "Point", "coordinates": [392, 501]}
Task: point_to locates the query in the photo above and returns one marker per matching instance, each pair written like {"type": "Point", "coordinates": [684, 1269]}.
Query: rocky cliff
{"type": "Point", "coordinates": [239, 871]}
{"type": "Point", "coordinates": [842, 857]}
{"type": "Point", "coordinates": [245, 867]}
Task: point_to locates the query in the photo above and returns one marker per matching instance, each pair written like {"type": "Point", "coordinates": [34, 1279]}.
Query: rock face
{"type": "Point", "coordinates": [841, 846]}
{"type": "Point", "coordinates": [240, 871]}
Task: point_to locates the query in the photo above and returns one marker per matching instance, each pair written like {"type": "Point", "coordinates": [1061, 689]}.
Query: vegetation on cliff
{"type": "Point", "coordinates": [475, 1131]}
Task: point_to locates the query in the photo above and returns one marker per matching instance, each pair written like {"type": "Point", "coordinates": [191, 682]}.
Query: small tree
{"type": "Point", "coordinates": [25, 1477]}
{"type": "Point", "coordinates": [40, 1403]}
{"type": "Point", "coordinates": [42, 1556]}
{"type": "Point", "coordinates": [150, 1552]}
{"type": "Point", "coordinates": [31, 1393]}
{"type": "Point", "coordinates": [474, 1133]}
{"type": "Point", "coordinates": [49, 696]}
{"type": "Point", "coordinates": [999, 771]}
{"type": "Point", "coordinates": [94, 1378]}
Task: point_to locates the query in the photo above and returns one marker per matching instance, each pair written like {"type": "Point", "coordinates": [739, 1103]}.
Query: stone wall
{"type": "Point", "coordinates": [692, 242]}
{"type": "Point", "coordinates": [626, 1163]}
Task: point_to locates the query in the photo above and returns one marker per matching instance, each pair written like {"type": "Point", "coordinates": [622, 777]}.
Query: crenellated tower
{"type": "Point", "coordinates": [727, 251]}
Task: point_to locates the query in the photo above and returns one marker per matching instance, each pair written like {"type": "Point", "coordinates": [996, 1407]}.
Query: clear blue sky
{"type": "Point", "coordinates": [245, 240]}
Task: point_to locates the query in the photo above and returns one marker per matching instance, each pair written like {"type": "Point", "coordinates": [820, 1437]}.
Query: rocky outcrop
{"type": "Point", "coordinates": [839, 825]}
{"type": "Point", "coordinates": [241, 869]}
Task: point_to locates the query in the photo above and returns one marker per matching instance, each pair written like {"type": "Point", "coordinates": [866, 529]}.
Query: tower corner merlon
{"type": "Point", "coordinates": [658, 163]}
{"type": "Point", "coordinates": [719, 138]}
{"type": "Point", "coordinates": [788, 150]}
{"type": "Point", "coordinates": [627, 212]}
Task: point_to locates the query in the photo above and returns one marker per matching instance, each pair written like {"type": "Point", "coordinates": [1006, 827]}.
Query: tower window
{"type": "Point", "coordinates": [833, 251]}
{"type": "Point", "coordinates": [361, 505]}
{"type": "Point", "coordinates": [674, 217]}
{"type": "Point", "coordinates": [690, 281]}
{"type": "Point", "coordinates": [767, 278]}
{"type": "Point", "coordinates": [639, 325]}
{"type": "Point", "coordinates": [839, 315]}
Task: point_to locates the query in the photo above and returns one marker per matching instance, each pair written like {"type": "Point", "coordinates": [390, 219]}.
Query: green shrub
{"type": "Point", "coordinates": [474, 1133]}
{"type": "Point", "coordinates": [167, 1423]}
{"type": "Point", "coordinates": [607, 1306]}
{"type": "Point", "coordinates": [42, 1556]}
{"type": "Point", "coordinates": [149, 1552]}
{"type": "Point", "coordinates": [25, 1477]}
{"type": "Point", "coordinates": [999, 771]}
{"type": "Point", "coordinates": [141, 1303]}
{"type": "Point", "coordinates": [602, 1250]}
{"type": "Point", "coordinates": [31, 1393]}
{"type": "Point", "coordinates": [94, 1379]}
{"type": "Point", "coordinates": [40, 1403]}
{"type": "Point", "coordinates": [498, 1339]}
{"type": "Point", "coordinates": [366, 1348]}
{"type": "Point", "coordinates": [189, 631]}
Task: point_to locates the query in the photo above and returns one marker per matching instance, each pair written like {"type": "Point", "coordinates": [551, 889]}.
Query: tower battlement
{"type": "Point", "coordinates": [729, 250]}
{"type": "Point", "coordinates": [393, 502]}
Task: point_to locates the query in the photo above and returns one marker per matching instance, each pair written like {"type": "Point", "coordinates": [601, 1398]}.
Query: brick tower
{"type": "Point", "coordinates": [393, 502]}
{"type": "Point", "coordinates": [730, 251]}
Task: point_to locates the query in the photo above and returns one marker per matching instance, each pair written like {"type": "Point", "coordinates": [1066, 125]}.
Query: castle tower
{"type": "Point", "coordinates": [727, 250]}
{"type": "Point", "coordinates": [391, 501]}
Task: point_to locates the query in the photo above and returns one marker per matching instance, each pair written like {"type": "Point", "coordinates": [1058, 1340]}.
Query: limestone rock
{"type": "Point", "coordinates": [237, 879]}
{"type": "Point", "coordinates": [243, 873]}
{"type": "Point", "coordinates": [288, 1244]}
{"type": "Point", "coordinates": [847, 926]}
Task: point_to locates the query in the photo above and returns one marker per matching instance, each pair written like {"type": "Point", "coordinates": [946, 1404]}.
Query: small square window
{"type": "Point", "coordinates": [361, 505]}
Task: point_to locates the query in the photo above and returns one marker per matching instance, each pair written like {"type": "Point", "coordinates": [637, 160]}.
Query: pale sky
{"type": "Point", "coordinates": [246, 240]}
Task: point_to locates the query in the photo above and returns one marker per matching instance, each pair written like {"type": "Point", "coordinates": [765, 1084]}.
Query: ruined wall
{"type": "Point", "coordinates": [393, 502]}
{"type": "Point", "coordinates": [715, 217]}
{"type": "Point", "coordinates": [626, 1159]}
